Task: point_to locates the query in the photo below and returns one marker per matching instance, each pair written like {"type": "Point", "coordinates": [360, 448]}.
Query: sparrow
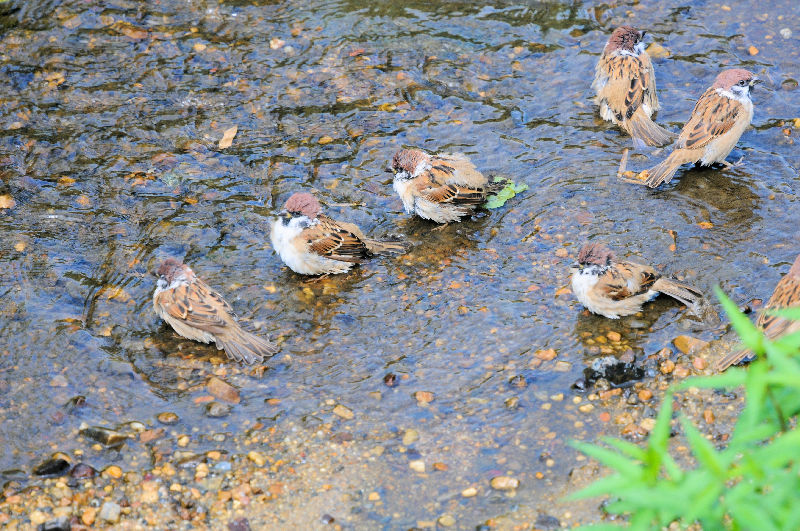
{"type": "Point", "coordinates": [311, 243]}
{"type": "Point", "coordinates": [442, 188]}
{"type": "Point", "coordinates": [625, 83]}
{"type": "Point", "coordinates": [615, 289]}
{"type": "Point", "coordinates": [720, 117]}
{"type": "Point", "coordinates": [197, 312]}
{"type": "Point", "coordinates": [786, 295]}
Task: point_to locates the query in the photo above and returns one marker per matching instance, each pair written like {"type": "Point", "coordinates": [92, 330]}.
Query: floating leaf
{"type": "Point", "coordinates": [227, 137]}
{"type": "Point", "coordinates": [509, 190]}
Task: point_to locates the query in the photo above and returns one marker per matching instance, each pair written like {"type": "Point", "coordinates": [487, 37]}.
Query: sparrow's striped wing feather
{"type": "Point", "coordinates": [337, 241]}
{"type": "Point", "coordinates": [650, 94]}
{"type": "Point", "coordinates": [456, 169]}
{"type": "Point", "coordinates": [440, 185]}
{"type": "Point", "coordinates": [628, 80]}
{"type": "Point", "coordinates": [627, 279]}
{"type": "Point", "coordinates": [786, 295]}
{"type": "Point", "coordinates": [197, 305]}
{"type": "Point", "coordinates": [713, 116]}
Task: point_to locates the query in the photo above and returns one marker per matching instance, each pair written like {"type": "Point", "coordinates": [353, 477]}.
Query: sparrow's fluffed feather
{"type": "Point", "coordinates": [786, 295]}
{"type": "Point", "coordinates": [625, 83]}
{"type": "Point", "coordinates": [442, 188]}
{"type": "Point", "coordinates": [311, 243]}
{"type": "Point", "coordinates": [615, 289]}
{"type": "Point", "coordinates": [197, 312]}
{"type": "Point", "coordinates": [718, 120]}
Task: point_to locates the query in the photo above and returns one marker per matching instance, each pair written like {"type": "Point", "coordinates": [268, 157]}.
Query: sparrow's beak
{"type": "Point", "coordinates": [154, 273]}
{"type": "Point", "coordinates": [575, 265]}
{"type": "Point", "coordinates": [388, 170]}
{"type": "Point", "coordinates": [756, 80]}
{"type": "Point", "coordinates": [642, 34]}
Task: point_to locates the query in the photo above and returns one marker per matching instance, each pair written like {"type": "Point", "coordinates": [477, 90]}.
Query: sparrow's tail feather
{"type": "Point", "coordinates": [680, 291]}
{"type": "Point", "coordinates": [645, 131]}
{"type": "Point", "coordinates": [734, 358]}
{"type": "Point", "coordinates": [386, 247]}
{"type": "Point", "coordinates": [492, 187]}
{"type": "Point", "coordinates": [663, 172]}
{"type": "Point", "coordinates": [245, 347]}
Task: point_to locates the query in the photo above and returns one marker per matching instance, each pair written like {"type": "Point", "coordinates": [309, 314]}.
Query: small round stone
{"type": "Point", "coordinates": [504, 483]}
{"type": "Point", "coordinates": [168, 418]}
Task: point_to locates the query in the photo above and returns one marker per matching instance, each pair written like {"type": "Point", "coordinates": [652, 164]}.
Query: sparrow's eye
{"type": "Point", "coordinates": [742, 83]}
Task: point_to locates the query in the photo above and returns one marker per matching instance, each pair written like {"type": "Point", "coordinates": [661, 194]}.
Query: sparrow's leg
{"type": "Point", "coordinates": [633, 179]}
{"type": "Point", "coordinates": [628, 176]}
{"type": "Point", "coordinates": [314, 280]}
{"type": "Point", "coordinates": [731, 165]}
{"type": "Point", "coordinates": [441, 227]}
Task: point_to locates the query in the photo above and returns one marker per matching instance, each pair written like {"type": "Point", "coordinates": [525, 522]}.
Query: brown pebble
{"type": "Point", "coordinates": [689, 344]}
{"type": "Point", "coordinates": [424, 397]}
{"type": "Point", "coordinates": [667, 366]}
{"type": "Point", "coordinates": [343, 412]}
{"type": "Point", "coordinates": [545, 355]}
{"type": "Point", "coordinates": [222, 390]}
{"type": "Point", "coordinates": [633, 430]}
{"type": "Point", "coordinates": [88, 515]}
{"type": "Point", "coordinates": [168, 418]}
{"type": "Point", "coordinates": [645, 395]}
{"type": "Point", "coordinates": [113, 471]}
{"type": "Point", "coordinates": [681, 371]}
{"type": "Point", "coordinates": [504, 483]}
{"type": "Point", "coordinates": [605, 416]}
{"type": "Point", "coordinates": [390, 380]}
{"type": "Point", "coordinates": [605, 395]}
{"type": "Point", "coordinates": [441, 467]}
{"type": "Point", "coordinates": [83, 471]}
{"type": "Point", "coordinates": [699, 363]}
{"type": "Point", "coordinates": [614, 336]}
{"type": "Point", "coordinates": [708, 416]}
{"type": "Point", "coordinates": [151, 435]}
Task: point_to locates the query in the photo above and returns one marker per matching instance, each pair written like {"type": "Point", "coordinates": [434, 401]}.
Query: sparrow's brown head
{"type": "Point", "coordinates": [595, 254]}
{"type": "Point", "coordinates": [734, 78]}
{"type": "Point", "coordinates": [624, 38]}
{"type": "Point", "coordinates": [304, 204]}
{"type": "Point", "coordinates": [172, 268]}
{"type": "Point", "coordinates": [407, 160]}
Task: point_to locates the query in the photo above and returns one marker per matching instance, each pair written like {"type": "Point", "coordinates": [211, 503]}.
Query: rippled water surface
{"type": "Point", "coordinates": [110, 117]}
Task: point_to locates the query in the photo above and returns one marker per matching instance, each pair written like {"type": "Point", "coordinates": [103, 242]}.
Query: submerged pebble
{"type": "Point", "coordinates": [504, 483]}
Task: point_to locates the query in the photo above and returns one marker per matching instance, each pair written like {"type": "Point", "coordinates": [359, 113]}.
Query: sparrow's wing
{"type": "Point", "coordinates": [650, 93]}
{"type": "Point", "coordinates": [628, 81]}
{"type": "Point", "coordinates": [456, 168]}
{"type": "Point", "coordinates": [713, 116]}
{"type": "Point", "coordinates": [337, 241]}
{"type": "Point", "coordinates": [786, 295]}
{"type": "Point", "coordinates": [435, 188]}
{"type": "Point", "coordinates": [626, 279]}
{"type": "Point", "coordinates": [197, 305]}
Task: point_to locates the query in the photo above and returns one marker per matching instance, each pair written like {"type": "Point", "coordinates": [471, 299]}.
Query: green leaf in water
{"type": "Point", "coordinates": [509, 190]}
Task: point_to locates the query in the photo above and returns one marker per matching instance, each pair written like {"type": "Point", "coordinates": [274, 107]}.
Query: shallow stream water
{"type": "Point", "coordinates": [110, 118]}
